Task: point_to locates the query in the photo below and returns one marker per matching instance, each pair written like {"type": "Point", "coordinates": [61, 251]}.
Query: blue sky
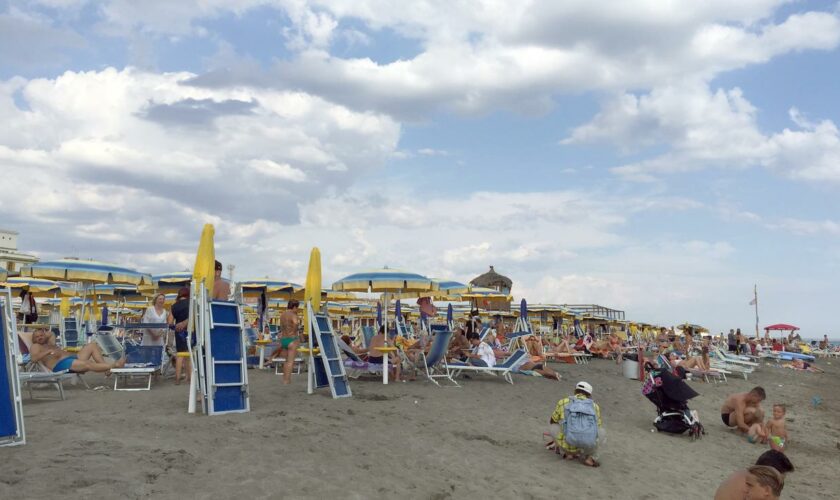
{"type": "Point", "coordinates": [659, 161]}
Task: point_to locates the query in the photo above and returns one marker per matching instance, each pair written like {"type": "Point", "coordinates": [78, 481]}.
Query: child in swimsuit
{"type": "Point", "coordinates": [776, 428]}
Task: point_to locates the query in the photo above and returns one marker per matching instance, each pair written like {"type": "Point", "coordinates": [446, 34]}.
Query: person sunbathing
{"type": "Point", "coordinates": [88, 359]}
{"type": "Point", "coordinates": [689, 363]}
{"type": "Point", "coordinates": [458, 345]}
{"type": "Point", "coordinates": [377, 357]}
{"type": "Point", "coordinates": [798, 364]}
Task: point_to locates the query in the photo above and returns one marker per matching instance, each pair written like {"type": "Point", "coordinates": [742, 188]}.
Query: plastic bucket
{"type": "Point", "coordinates": [631, 369]}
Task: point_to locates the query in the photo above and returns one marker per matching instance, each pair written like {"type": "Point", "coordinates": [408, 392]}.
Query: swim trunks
{"type": "Point", "coordinates": [285, 342]}
{"type": "Point", "coordinates": [376, 360]}
{"type": "Point", "coordinates": [725, 418]}
{"type": "Point", "coordinates": [64, 364]}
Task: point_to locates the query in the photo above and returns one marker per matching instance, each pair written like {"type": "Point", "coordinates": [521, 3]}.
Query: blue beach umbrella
{"type": "Point", "coordinates": [378, 313]}
{"type": "Point", "coordinates": [398, 309]}
{"type": "Point", "coordinates": [523, 310]}
{"type": "Point", "coordinates": [85, 271]}
{"type": "Point", "coordinates": [450, 316]}
{"type": "Point", "coordinates": [3, 273]}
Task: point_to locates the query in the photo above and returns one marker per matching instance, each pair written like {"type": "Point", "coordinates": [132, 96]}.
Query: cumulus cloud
{"type": "Point", "coordinates": [133, 160]}
{"type": "Point", "coordinates": [702, 128]}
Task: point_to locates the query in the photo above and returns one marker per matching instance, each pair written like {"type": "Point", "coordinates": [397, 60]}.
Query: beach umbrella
{"type": "Point", "coordinates": [204, 269]}
{"type": "Point", "coordinates": [523, 310]}
{"type": "Point", "coordinates": [271, 287]}
{"type": "Point", "coordinates": [312, 294]}
{"type": "Point", "coordinates": [386, 281]}
{"type": "Point", "coordinates": [3, 273]}
{"type": "Point", "coordinates": [398, 309]}
{"type": "Point", "coordinates": [378, 314]}
{"type": "Point", "coordinates": [38, 287]}
{"type": "Point", "coordinates": [87, 272]}
{"type": "Point", "coordinates": [171, 282]}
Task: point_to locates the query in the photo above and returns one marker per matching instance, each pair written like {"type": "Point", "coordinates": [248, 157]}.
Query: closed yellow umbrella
{"type": "Point", "coordinates": [205, 260]}
{"type": "Point", "coordinates": [312, 294]}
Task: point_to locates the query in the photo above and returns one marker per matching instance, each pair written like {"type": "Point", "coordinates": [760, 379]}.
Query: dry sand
{"type": "Point", "coordinates": [415, 440]}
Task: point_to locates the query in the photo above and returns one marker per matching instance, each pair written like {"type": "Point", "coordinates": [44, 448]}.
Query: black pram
{"type": "Point", "coordinates": [670, 394]}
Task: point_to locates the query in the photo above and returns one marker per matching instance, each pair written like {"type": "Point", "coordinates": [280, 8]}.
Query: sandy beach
{"type": "Point", "coordinates": [411, 439]}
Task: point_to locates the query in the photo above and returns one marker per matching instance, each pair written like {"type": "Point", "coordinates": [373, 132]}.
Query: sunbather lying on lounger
{"type": "Point", "coordinates": [689, 363]}
{"type": "Point", "coordinates": [88, 359]}
{"type": "Point", "coordinates": [798, 364]}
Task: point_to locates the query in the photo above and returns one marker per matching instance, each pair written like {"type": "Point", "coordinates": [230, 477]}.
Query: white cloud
{"type": "Point", "coordinates": [704, 128]}
{"type": "Point", "coordinates": [278, 170]}
{"type": "Point", "coordinates": [808, 227]}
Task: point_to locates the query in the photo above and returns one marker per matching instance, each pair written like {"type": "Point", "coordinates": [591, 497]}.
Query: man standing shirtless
{"type": "Point", "coordinates": [743, 409]}
{"type": "Point", "coordinates": [89, 359]}
{"type": "Point", "coordinates": [289, 342]}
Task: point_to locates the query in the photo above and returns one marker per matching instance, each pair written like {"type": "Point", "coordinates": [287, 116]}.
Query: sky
{"type": "Point", "coordinates": [656, 157]}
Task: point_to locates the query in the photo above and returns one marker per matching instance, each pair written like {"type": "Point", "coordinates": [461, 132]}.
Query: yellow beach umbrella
{"type": "Point", "coordinates": [205, 259]}
{"type": "Point", "coordinates": [312, 295]}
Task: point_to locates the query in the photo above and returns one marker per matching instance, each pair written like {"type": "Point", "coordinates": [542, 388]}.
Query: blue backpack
{"type": "Point", "coordinates": [580, 423]}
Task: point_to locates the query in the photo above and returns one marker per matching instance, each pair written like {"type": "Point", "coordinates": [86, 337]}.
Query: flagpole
{"type": "Point", "coordinates": [755, 300]}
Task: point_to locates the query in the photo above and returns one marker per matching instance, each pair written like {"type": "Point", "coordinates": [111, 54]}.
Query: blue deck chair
{"type": "Point", "coordinates": [368, 333]}
{"type": "Point", "coordinates": [140, 362]}
{"type": "Point", "coordinates": [505, 369]}
{"type": "Point", "coordinates": [434, 365]}
{"type": "Point", "coordinates": [354, 364]}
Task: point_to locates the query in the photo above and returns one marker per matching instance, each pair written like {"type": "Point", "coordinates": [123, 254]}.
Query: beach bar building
{"type": "Point", "coordinates": [498, 282]}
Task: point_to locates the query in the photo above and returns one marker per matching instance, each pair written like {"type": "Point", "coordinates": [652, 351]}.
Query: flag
{"type": "Point", "coordinates": [753, 301]}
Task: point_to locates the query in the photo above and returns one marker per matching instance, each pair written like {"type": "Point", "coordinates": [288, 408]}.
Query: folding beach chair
{"type": "Point", "coordinates": [434, 365]}
{"type": "Point", "coordinates": [717, 375]}
{"type": "Point", "coordinates": [368, 333]}
{"type": "Point", "coordinates": [505, 369]}
{"type": "Point", "coordinates": [36, 374]}
{"type": "Point", "coordinates": [141, 362]}
{"type": "Point", "coordinates": [355, 365]}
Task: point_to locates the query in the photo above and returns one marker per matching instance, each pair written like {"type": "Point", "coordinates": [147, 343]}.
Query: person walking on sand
{"type": "Point", "coordinates": [743, 409]}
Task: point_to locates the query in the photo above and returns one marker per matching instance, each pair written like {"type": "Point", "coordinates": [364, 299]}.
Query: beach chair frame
{"type": "Point", "coordinates": [435, 365]}
{"type": "Point", "coordinates": [516, 359]}
{"type": "Point", "coordinates": [11, 422]}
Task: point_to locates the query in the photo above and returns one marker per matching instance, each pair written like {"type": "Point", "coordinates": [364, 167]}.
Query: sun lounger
{"type": "Point", "coordinates": [355, 365]}
{"type": "Point", "coordinates": [141, 362]}
{"type": "Point", "coordinates": [579, 358]}
{"type": "Point", "coordinates": [505, 369]}
{"type": "Point", "coordinates": [36, 374]}
{"type": "Point", "coordinates": [717, 375]}
{"type": "Point", "coordinates": [434, 364]}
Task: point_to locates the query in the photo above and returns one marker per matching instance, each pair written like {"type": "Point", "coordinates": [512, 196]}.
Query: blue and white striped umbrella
{"type": "Point", "coordinates": [269, 286]}
{"type": "Point", "coordinates": [85, 271]}
{"type": "Point", "coordinates": [384, 280]}
{"type": "Point", "coordinates": [38, 287]}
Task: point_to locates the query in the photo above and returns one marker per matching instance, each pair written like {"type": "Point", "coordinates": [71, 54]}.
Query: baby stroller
{"type": "Point", "coordinates": [670, 394]}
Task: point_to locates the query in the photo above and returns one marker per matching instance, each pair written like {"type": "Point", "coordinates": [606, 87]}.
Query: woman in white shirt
{"type": "Point", "coordinates": [156, 313]}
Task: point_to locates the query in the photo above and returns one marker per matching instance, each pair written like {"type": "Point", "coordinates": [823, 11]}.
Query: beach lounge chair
{"type": "Point", "coordinates": [720, 361]}
{"type": "Point", "coordinates": [716, 375]}
{"type": "Point", "coordinates": [141, 362]}
{"type": "Point", "coordinates": [36, 374]}
{"type": "Point", "coordinates": [367, 333]}
{"type": "Point", "coordinates": [434, 365]}
{"type": "Point", "coordinates": [505, 369]}
{"type": "Point", "coordinates": [355, 365]}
